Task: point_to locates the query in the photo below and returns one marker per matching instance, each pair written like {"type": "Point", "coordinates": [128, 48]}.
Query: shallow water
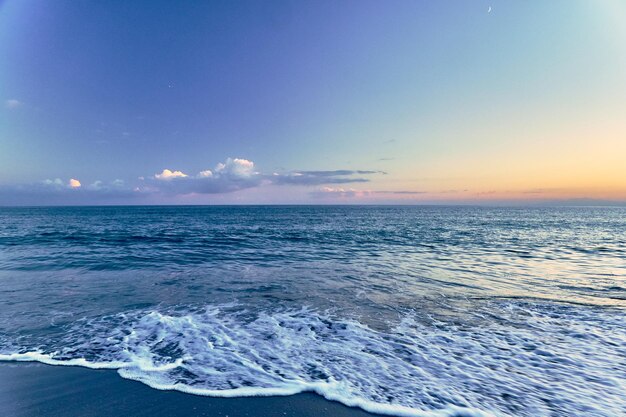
{"type": "Point", "coordinates": [398, 310]}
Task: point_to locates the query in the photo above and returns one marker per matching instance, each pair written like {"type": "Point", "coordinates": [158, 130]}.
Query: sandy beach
{"type": "Point", "coordinates": [33, 389]}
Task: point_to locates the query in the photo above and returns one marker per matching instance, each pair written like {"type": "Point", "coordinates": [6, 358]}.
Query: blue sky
{"type": "Point", "coordinates": [431, 101]}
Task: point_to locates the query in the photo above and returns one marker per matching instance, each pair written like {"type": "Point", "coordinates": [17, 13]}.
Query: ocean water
{"type": "Point", "coordinates": [407, 311]}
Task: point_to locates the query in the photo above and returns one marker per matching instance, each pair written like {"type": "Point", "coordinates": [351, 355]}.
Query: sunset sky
{"type": "Point", "coordinates": [118, 102]}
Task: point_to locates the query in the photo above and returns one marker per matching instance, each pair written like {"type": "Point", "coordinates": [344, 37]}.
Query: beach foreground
{"type": "Point", "coordinates": [34, 389]}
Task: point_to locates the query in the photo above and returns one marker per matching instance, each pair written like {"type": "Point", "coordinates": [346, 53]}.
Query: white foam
{"type": "Point", "coordinates": [507, 366]}
{"type": "Point", "coordinates": [48, 359]}
{"type": "Point", "coordinates": [328, 391]}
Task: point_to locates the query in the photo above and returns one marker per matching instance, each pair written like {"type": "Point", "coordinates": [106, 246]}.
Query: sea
{"type": "Point", "coordinates": [398, 310]}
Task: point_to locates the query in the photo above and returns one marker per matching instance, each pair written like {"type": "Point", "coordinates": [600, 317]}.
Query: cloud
{"type": "Point", "coordinates": [57, 182]}
{"type": "Point", "coordinates": [238, 168]}
{"type": "Point", "coordinates": [167, 175]}
{"type": "Point", "coordinates": [237, 174]}
{"type": "Point", "coordinates": [542, 190]}
{"type": "Point", "coordinates": [231, 175]}
{"type": "Point", "coordinates": [96, 185]}
{"type": "Point", "coordinates": [338, 192]}
{"type": "Point", "coordinates": [329, 192]}
{"type": "Point", "coordinates": [233, 169]}
{"type": "Point", "coordinates": [340, 172]}
{"type": "Point", "coordinates": [57, 191]}
{"type": "Point", "coordinates": [341, 176]}
{"type": "Point", "coordinates": [111, 187]}
{"type": "Point", "coordinates": [12, 104]}
{"type": "Point", "coordinates": [101, 186]}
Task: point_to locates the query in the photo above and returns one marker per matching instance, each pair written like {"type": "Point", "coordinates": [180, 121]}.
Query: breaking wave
{"type": "Point", "coordinates": [509, 358]}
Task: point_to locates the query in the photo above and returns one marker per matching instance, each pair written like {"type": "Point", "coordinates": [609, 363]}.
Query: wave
{"type": "Point", "coordinates": [521, 359]}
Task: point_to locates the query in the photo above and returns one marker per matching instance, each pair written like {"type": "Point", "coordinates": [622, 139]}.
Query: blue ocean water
{"type": "Point", "coordinates": [408, 311]}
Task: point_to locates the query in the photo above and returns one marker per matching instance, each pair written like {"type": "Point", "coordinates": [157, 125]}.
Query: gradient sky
{"type": "Point", "coordinates": [311, 102]}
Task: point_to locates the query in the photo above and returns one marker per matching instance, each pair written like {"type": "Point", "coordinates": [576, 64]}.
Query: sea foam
{"type": "Point", "coordinates": [499, 367]}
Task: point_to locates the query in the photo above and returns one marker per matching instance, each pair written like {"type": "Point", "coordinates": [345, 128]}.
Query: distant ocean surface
{"type": "Point", "coordinates": [407, 311]}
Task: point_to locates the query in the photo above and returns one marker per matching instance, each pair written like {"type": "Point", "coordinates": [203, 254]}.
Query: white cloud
{"type": "Point", "coordinates": [12, 103]}
{"type": "Point", "coordinates": [74, 183]}
{"type": "Point", "coordinates": [231, 175]}
{"type": "Point", "coordinates": [168, 175]}
{"type": "Point", "coordinates": [241, 168]}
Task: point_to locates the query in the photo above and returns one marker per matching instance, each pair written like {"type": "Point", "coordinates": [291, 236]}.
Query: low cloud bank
{"type": "Point", "coordinates": [323, 177]}
{"type": "Point", "coordinates": [238, 174]}
{"type": "Point", "coordinates": [59, 192]}
{"type": "Point", "coordinates": [234, 174]}
{"type": "Point", "coordinates": [330, 192]}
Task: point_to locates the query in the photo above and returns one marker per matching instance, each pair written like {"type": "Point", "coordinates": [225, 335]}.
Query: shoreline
{"type": "Point", "coordinates": [30, 389]}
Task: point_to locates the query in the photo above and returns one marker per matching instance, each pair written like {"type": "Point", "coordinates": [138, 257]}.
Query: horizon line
{"type": "Point", "coordinates": [491, 204]}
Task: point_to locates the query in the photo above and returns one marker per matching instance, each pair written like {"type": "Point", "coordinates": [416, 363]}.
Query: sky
{"type": "Point", "coordinates": [325, 102]}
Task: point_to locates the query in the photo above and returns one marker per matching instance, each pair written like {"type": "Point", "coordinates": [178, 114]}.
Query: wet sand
{"type": "Point", "coordinates": [37, 390]}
